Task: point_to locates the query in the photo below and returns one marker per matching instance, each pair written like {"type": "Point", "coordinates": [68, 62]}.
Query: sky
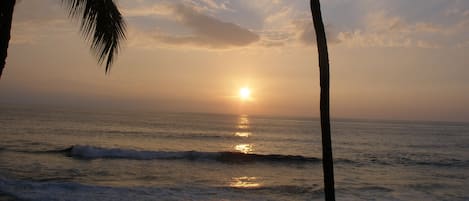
{"type": "Point", "coordinates": [402, 60]}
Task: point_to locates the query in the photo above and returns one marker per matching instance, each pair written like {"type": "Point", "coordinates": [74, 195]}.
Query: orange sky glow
{"type": "Point", "coordinates": [194, 56]}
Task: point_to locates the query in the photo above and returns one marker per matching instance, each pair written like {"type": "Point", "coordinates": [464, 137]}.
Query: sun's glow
{"type": "Point", "coordinates": [244, 93]}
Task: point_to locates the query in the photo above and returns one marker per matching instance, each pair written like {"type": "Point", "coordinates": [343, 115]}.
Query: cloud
{"type": "Point", "coordinates": [32, 31]}
{"type": "Point", "coordinates": [149, 10]}
{"type": "Point", "coordinates": [198, 23]}
{"type": "Point", "coordinates": [276, 38]}
{"type": "Point", "coordinates": [195, 28]}
{"type": "Point", "coordinates": [457, 12]}
{"type": "Point", "coordinates": [306, 34]}
{"type": "Point", "coordinates": [33, 22]}
{"type": "Point", "coordinates": [203, 23]}
{"type": "Point", "coordinates": [279, 15]}
{"type": "Point", "coordinates": [167, 8]}
{"type": "Point", "coordinates": [208, 31]}
{"type": "Point", "coordinates": [382, 30]}
{"type": "Point", "coordinates": [464, 44]}
{"type": "Point", "coordinates": [215, 5]}
{"type": "Point", "coordinates": [426, 44]}
{"type": "Point", "coordinates": [359, 38]}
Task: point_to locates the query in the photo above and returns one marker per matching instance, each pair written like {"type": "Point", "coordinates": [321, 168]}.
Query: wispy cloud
{"type": "Point", "coordinates": [383, 30]}
{"type": "Point", "coordinates": [215, 5]}
{"type": "Point", "coordinates": [148, 10]}
{"type": "Point", "coordinates": [306, 35]}
{"type": "Point", "coordinates": [31, 31]}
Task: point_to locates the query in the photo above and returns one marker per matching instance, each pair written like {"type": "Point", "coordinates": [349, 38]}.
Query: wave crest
{"type": "Point", "coordinates": [91, 152]}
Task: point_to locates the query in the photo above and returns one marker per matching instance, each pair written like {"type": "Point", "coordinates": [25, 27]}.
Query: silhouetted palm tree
{"type": "Point", "coordinates": [101, 23]}
{"type": "Point", "coordinates": [327, 161]}
{"type": "Point", "coordinates": [6, 14]}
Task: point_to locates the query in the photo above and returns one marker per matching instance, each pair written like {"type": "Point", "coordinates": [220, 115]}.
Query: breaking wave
{"type": "Point", "coordinates": [91, 152]}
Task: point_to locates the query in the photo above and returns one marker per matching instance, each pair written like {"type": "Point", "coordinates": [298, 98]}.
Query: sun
{"type": "Point", "coordinates": [245, 93]}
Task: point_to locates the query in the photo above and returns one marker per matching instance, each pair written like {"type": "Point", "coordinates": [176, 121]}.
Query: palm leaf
{"type": "Point", "coordinates": [101, 24]}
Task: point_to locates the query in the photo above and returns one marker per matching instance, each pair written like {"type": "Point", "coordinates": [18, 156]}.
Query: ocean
{"type": "Point", "coordinates": [66, 154]}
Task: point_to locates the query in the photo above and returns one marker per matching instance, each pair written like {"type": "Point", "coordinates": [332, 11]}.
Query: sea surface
{"type": "Point", "coordinates": [65, 154]}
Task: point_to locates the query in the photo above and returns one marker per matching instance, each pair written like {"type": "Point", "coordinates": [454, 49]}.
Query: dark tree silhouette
{"type": "Point", "coordinates": [101, 24]}
{"type": "Point", "coordinates": [6, 15]}
{"type": "Point", "coordinates": [327, 161]}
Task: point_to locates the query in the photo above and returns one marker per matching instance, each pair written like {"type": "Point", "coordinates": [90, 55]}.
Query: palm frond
{"type": "Point", "coordinates": [101, 24]}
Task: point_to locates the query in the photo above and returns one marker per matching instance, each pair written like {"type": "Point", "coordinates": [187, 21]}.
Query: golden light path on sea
{"type": "Point", "coordinates": [244, 182]}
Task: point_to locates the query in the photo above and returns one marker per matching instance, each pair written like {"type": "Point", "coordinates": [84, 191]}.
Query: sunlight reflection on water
{"type": "Point", "coordinates": [243, 122]}
{"type": "Point", "coordinates": [243, 134]}
{"type": "Point", "coordinates": [243, 131]}
{"type": "Point", "coordinates": [244, 148]}
{"type": "Point", "coordinates": [243, 126]}
{"type": "Point", "coordinates": [244, 182]}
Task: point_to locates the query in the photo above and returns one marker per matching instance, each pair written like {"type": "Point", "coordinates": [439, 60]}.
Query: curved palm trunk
{"type": "Point", "coordinates": [324, 103]}
{"type": "Point", "coordinates": [6, 16]}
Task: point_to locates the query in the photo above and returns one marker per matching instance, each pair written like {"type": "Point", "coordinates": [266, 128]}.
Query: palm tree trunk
{"type": "Point", "coordinates": [6, 16]}
{"type": "Point", "coordinates": [327, 161]}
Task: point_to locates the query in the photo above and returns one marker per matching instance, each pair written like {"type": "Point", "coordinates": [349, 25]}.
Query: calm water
{"type": "Point", "coordinates": [75, 155]}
